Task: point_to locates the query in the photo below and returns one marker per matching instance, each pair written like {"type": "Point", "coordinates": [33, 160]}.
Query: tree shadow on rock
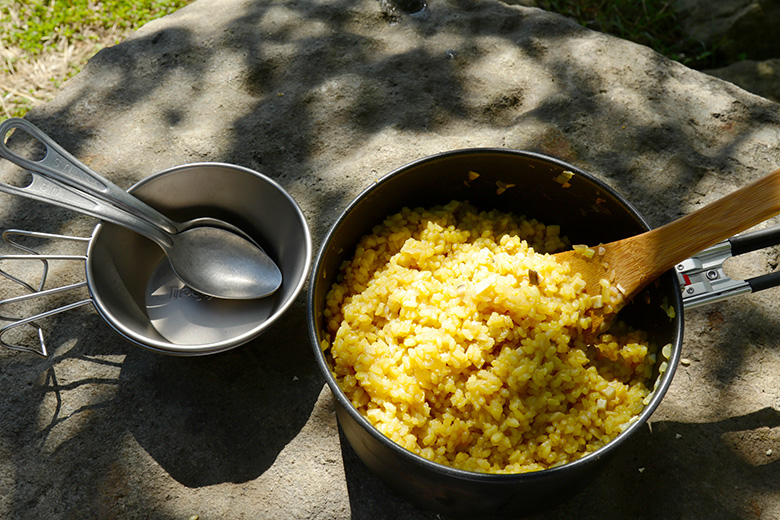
{"type": "Point", "coordinates": [224, 417]}
{"type": "Point", "coordinates": [737, 330]}
{"type": "Point", "coordinates": [369, 497]}
{"type": "Point", "coordinates": [684, 470]}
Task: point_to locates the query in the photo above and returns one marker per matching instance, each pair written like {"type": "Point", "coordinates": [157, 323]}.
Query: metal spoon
{"type": "Point", "coordinates": [211, 256]}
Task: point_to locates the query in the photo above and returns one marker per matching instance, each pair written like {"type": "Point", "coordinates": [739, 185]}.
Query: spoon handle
{"type": "Point", "coordinates": [50, 191]}
{"type": "Point", "coordinates": [662, 248]}
{"type": "Point", "coordinates": [61, 166]}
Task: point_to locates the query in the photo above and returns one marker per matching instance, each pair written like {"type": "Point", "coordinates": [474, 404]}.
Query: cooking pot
{"type": "Point", "coordinates": [524, 183]}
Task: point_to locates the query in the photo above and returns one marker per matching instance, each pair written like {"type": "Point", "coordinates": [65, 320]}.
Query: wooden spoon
{"type": "Point", "coordinates": [632, 263]}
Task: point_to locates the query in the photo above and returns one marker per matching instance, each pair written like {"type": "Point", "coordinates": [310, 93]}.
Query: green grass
{"type": "Point", "coordinates": [45, 20]}
{"type": "Point", "coordinates": [45, 42]}
{"type": "Point", "coordinates": [652, 23]}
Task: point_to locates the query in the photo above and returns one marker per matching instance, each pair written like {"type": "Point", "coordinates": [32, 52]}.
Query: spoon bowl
{"type": "Point", "coordinates": [237, 268]}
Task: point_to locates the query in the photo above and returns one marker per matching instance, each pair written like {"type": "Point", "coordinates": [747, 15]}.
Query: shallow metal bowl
{"type": "Point", "coordinates": [135, 291]}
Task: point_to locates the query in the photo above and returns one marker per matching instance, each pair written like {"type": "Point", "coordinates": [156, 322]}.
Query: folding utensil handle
{"type": "Point", "coordinates": [14, 322]}
{"type": "Point", "coordinates": [57, 194]}
{"type": "Point", "coordinates": [61, 180]}
{"type": "Point", "coordinates": [60, 166]}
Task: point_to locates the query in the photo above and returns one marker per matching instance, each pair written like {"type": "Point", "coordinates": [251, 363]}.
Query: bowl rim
{"type": "Point", "coordinates": [225, 344]}
{"type": "Point", "coordinates": [456, 473]}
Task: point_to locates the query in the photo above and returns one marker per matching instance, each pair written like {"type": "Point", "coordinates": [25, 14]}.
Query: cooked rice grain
{"type": "Point", "coordinates": [459, 339]}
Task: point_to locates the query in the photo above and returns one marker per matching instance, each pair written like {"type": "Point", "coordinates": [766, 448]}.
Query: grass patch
{"type": "Point", "coordinates": [652, 23]}
{"type": "Point", "coordinates": [45, 42]}
{"type": "Point", "coordinates": [43, 22]}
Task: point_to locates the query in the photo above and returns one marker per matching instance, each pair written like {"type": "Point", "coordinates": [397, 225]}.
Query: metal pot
{"type": "Point", "coordinates": [589, 212]}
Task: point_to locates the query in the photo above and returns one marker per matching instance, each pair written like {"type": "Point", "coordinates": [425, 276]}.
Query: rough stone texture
{"type": "Point", "coordinates": [758, 77]}
{"type": "Point", "coordinates": [742, 34]}
{"type": "Point", "coordinates": [325, 97]}
{"type": "Point", "coordinates": [735, 26]}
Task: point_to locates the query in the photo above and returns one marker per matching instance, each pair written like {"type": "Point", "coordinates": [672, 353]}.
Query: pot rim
{"type": "Point", "coordinates": [641, 419]}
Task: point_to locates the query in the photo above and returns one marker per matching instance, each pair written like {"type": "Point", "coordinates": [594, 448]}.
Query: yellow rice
{"type": "Point", "coordinates": [458, 338]}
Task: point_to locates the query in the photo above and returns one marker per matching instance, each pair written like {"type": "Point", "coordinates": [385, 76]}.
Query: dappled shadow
{"type": "Point", "coordinates": [669, 470]}
{"type": "Point", "coordinates": [737, 336]}
{"type": "Point", "coordinates": [223, 418]}
{"type": "Point", "coordinates": [686, 470]}
{"type": "Point", "coordinates": [733, 345]}
{"type": "Point", "coordinates": [53, 407]}
{"type": "Point", "coordinates": [324, 97]}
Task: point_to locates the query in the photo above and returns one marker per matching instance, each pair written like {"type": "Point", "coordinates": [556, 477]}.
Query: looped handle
{"type": "Point", "coordinates": [34, 292]}
{"type": "Point", "coordinates": [59, 165]}
{"type": "Point", "coordinates": [61, 180]}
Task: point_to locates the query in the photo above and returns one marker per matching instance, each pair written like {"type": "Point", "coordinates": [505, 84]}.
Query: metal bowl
{"type": "Point", "coordinates": [588, 212]}
{"type": "Point", "coordinates": [135, 291]}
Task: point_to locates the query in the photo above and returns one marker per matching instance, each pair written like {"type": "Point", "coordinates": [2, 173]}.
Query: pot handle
{"type": "Point", "coordinates": [704, 281]}
{"type": "Point", "coordinates": [36, 292]}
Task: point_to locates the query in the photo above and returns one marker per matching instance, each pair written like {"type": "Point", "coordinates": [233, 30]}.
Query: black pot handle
{"type": "Point", "coordinates": [704, 281]}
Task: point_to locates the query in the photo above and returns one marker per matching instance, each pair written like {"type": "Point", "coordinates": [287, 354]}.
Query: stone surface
{"type": "Point", "coordinates": [759, 77]}
{"type": "Point", "coordinates": [741, 34]}
{"type": "Point", "coordinates": [325, 97]}
{"type": "Point", "coordinates": [736, 27]}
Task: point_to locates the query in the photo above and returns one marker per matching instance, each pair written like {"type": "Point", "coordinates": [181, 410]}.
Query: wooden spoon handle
{"type": "Point", "coordinates": [666, 246]}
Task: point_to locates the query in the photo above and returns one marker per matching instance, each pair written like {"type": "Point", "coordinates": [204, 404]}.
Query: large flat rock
{"type": "Point", "coordinates": [325, 97]}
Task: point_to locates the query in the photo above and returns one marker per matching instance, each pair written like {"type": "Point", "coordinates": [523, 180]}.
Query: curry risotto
{"type": "Point", "coordinates": [458, 337]}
